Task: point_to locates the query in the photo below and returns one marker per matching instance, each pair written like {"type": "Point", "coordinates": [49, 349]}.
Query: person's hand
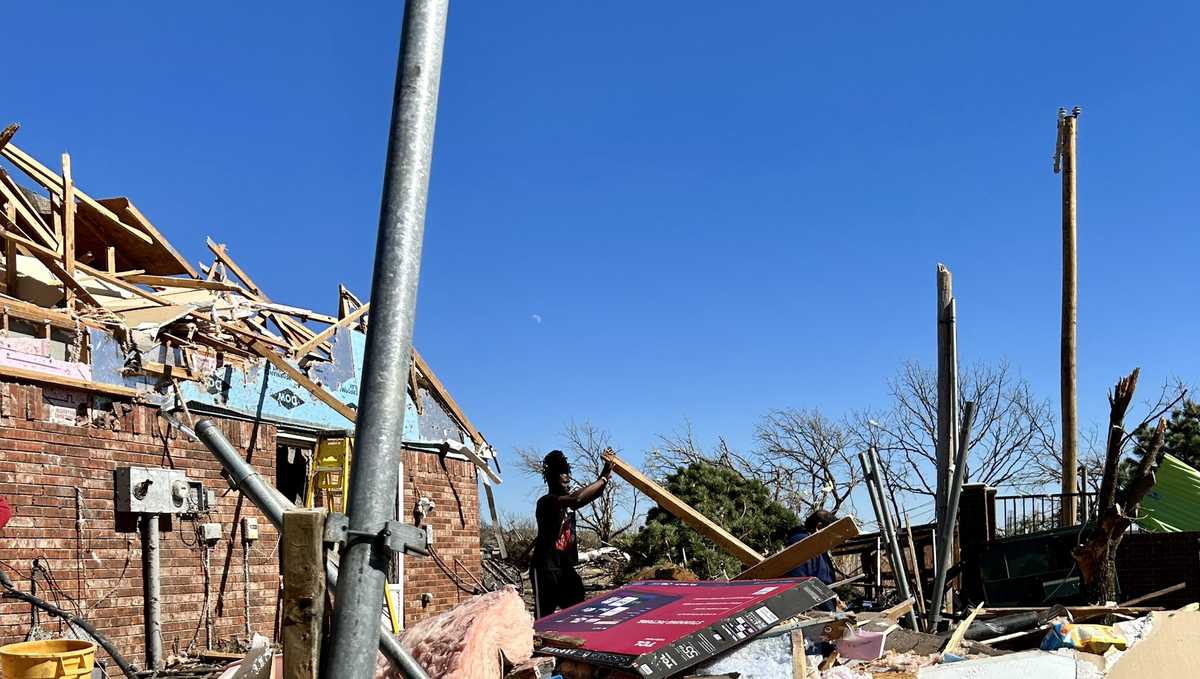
{"type": "Point", "coordinates": [607, 456]}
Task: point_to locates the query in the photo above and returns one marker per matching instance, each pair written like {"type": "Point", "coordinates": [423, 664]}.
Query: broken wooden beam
{"type": "Point", "coordinates": [303, 592]}
{"type": "Point", "coordinates": [321, 337]}
{"type": "Point", "coordinates": [778, 565]}
{"type": "Point", "coordinates": [189, 283]}
{"type": "Point", "coordinates": [683, 511]}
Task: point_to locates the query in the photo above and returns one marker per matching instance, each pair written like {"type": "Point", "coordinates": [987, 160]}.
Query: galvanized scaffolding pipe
{"type": "Point", "coordinates": [151, 592]}
{"type": "Point", "coordinates": [374, 474]}
{"type": "Point", "coordinates": [273, 505]}
{"type": "Point", "coordinates": [946, 523]}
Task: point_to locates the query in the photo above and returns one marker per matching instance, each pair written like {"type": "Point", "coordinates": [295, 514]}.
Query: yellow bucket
{"type": "Point", "coordinates": [52, 659]}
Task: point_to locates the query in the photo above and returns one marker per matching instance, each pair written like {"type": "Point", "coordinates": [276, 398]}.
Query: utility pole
{"type": "Point", "coordinates": [947, 386]}
{"type": "Point", "coordinates": [1064, 163]}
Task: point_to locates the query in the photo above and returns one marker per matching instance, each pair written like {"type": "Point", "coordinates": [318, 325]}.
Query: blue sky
{"type": "Point", "coordinates": [642, 213]}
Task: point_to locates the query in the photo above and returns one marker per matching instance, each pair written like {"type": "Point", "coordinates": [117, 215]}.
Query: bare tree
{"type": "Point", "coordinates": [1011, 442]}
{"type": "Point", "coordinates": [801, 456]}
{"type": "Point", "coordinates": [616, 510]}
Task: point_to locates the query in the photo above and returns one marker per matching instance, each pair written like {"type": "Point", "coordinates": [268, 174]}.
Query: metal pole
{"type": "Point", "coordinates": [151, 592]}
{"type": "Point", "coordinates": [273, 505]}
{"type": "Point", "coordinates": [875, 489]}
{"type": "Point", "coordinates": [946, 525]}
{"type": "Point", "coordinates": [900, 571]}
{"type": "Point", "coordinates": [374, 474]}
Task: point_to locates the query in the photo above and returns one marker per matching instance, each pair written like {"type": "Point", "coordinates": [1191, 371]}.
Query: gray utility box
{"type": "Point", "coordinates": [146, 490]}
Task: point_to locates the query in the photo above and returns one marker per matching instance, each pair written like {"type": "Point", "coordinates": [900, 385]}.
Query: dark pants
{"type": "Point", "coordinates": [554, 589]}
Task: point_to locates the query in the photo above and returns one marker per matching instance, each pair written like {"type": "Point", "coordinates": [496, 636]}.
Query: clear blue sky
{"type": "Point", "coordinates": [714, 209]}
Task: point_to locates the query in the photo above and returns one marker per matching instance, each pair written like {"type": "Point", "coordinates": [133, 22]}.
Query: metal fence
{"type": "Point", "coordinates": [1023, 514]}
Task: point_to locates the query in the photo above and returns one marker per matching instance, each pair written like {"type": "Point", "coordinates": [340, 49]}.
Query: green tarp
{"type": "Point", "coordinates": [1173, 505]}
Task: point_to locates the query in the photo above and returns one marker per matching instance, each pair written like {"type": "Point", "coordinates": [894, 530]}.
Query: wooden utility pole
{"type": "Point", "coordinates": [303, 592]}
{"type": "Point", "coordinates": [947, 389]}
{"type": "Point", "coordinates": [1064, 162]}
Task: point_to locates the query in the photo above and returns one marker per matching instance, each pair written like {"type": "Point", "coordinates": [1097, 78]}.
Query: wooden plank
{"type": "Point", "coordinates": [68, 220]}
{"type": "Point", "coordinates": [110, 259]}
{"type": "Point", "coordinates": [190, 283]}
{"type": "Point", "coordinates": [253, 336]}
{"type": "Point", "coordinates": [49, 258]}
{"type": "Point", "coordinates": [1155, 594]}
{"type": "Point", "coordinates": [818, 543]}
{"type": "Point", "coordinates": [11, 193]}
{"type": "Point", "coordinates": [303, 380]}
{"type": "Point", "coordinates": [10, 254]}
{"type": "Point", "coordinates": [683, 511]}
{"type": "Point", "coordinates": [327, 333]}
{"type": "Point", "coordinates": [8, 133]}
{"type": "Point", "coordinates": [955, 642]}
{"type": "Point", "coordinates": [124, 207]}
{"type": "Point", "coordinates": [443, 394]}
{"type": "Point", "coordinates": [166, 371]}
{"type": "Point", "coordinates": [61, 381]}
{"type": "Point", "coordinates": [222, 255]}
{"type": "Point", "coordinates": [799, 659]}
{"type": "Point", "coordinates": [303, 592]}
{"type": "Point", "coordinates": [1075, 611]}
{"type": "Point", "coordinates": [46, 177]}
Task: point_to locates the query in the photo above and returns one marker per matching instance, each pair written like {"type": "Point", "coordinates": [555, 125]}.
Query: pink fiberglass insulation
{"type": "Point", "coordinates": [468, 641]}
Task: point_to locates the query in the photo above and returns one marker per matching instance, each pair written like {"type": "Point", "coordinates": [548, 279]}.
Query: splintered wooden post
{"type": "Point", "coordinates": [68, 241]}
{"type": "Point", "coordinates": [303, 592]}
{"type": "Point", "coordinates": [1065, 160]}
{"type": "Point", "coordinates": [110, 256]}
{"type": "Point", "coordinates": [947, 387]}
{"type": "Point", "coordinates": [10, 255]}
{"type": "Point", "coordinates": [684, 512]}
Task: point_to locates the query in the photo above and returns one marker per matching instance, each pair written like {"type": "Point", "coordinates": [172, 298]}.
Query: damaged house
{"type": "Point", "coordinates": [104, 322]}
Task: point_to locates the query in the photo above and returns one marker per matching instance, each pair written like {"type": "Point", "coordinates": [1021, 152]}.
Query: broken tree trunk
{"type": "Point", "coordinates": [1115, 512]}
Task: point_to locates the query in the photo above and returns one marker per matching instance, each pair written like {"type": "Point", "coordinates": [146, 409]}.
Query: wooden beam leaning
{"type": "Point", "coordinates": [12, 193]}
{"type": "Point", "coordinates": [778, 565]}
{"type": "Point", "coordinates": [300, 378]}
{"type": "Point", "coordinates": [219, 252]}
{"type": "Point", "coordinates": [68, 217]}
{"type": "Point", "coordinates": [683, 511]}
{"type": "Point", "coordinates": [327, 333]}
{"type": "Point", "coordinates": [50, 259]}
{"type": "Point", "coordinates": [10, 254]}
{"type": "Point", "coordinates": [303, 592]}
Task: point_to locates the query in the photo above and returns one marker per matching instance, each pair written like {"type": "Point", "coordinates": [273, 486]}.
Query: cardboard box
{"type": "Point", "coordinates": [658, 628]}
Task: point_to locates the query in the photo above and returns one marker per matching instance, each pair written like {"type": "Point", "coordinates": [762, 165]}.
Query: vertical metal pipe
{"type": "Point", "coordinates": [899, 570]}
{"type": "Point", "coordinates": [946, 525]}
{"type": "Point", "coordinates": [273, 505]}
{"type": "Point", "coordinates": [374, 473]}
{"type": "Point", "coordinates": [151, 592]}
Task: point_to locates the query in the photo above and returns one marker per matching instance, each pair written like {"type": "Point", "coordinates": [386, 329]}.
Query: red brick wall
{"type": "Point", "coordinates": [41, 465]}
{"type": "Point", "coordinates": [453, 487]}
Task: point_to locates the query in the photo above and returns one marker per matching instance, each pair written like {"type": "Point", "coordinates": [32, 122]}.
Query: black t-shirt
{"type": "Point", "coordinates": [556, 546]}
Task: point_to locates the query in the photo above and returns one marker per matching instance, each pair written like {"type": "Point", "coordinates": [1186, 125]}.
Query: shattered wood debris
{"type": "Point", "coordinates": [138, 320]}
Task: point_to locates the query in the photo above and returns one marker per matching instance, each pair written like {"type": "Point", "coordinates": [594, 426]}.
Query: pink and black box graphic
{"type": "Point", "coordinates": [657, 628]}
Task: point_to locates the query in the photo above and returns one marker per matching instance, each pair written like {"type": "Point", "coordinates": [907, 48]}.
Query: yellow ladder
{"type": "Point", "coordinates": [329, 476]}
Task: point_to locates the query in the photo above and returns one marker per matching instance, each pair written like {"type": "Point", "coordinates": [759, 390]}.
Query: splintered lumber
{"type": "Point", "coordinates": [222, 256]}
{"type": "Point", "coordinates": [952, 646]}
{"type": "Point", "coordinates": [818, 543]}
{"type": "Point", "coordinates": [10, 254]}
{"type": "Point", "coordinates": [7, 135]}
{"type": "Point", "coordinates": [327, 333]}
{"type": "Point", "coordinates": [684, 512]}
{"type": "Point", "coordinates": [190, 283]}
{"type": "Point", "coordinates": [46, 177]}
{"type": "Point", "coordinates": [303, 592]}
{"type": "Point", "coordinates": [12, 194]}
{"type": "Point", "coordinates": [444, 396]}
{"type": "Point", "coordinates": [300, 378]}
{"type": "Point", "coordinates": [68, 219]}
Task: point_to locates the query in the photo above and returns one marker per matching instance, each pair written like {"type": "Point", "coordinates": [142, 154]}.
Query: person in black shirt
{"type": "Point", "coordinates": [555, 552]}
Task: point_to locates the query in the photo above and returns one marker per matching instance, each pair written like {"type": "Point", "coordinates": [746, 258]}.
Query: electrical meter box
{"type": "Point", "coordinates": [150, 490]}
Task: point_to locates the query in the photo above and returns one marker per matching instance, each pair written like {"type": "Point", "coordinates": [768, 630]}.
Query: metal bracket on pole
{"type": "Point", "coordinates": [395, 536]}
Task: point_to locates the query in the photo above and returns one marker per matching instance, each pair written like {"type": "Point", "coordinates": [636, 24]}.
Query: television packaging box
{"type": "Point", "coordinates": [658, 628]}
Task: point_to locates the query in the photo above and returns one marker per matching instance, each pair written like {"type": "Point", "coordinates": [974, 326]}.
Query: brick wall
{"type": "Point", "coordinates": [1147, 562]}
{"type": "Point", "coordinates": [453, 487]}
{"type": "Point", "coordinates": [41, 465]}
